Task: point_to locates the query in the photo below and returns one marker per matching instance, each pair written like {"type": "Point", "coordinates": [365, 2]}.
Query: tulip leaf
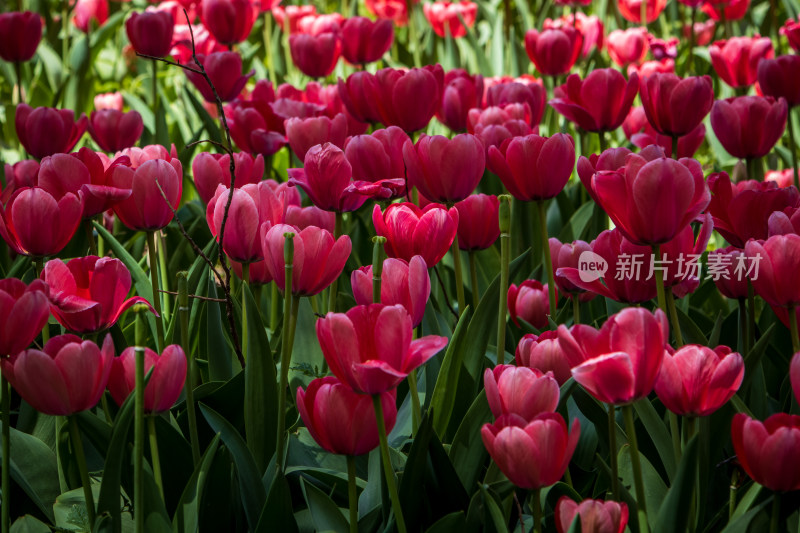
{"type": "Point", "coordinates": [575, 527]}
{"type": "Point", "coordinates": [139, 105]}
{"type": "Point", "coordinates": [219, 354]}
{"type": "Point", "coordinates": [277, 512]}
{"type": "Point", "coordinates": [444, 392]}
{"type": "Point", "coordinates": [29, 524]}
{"type": "Point", "coordinates": [655, 490]}
{"type": "Point", "coordinates": [449, 523]}
{"type": "Point", "coordinates": [467, 452]}
{"type": "Point", "coordinates": [658, 433]}
{"type": "Point", "coordinates": [250, 486]}
{"type": "Point", "coordinates": [117, 454]}
{"type": "Point", "coordinates": [33, 467]}
{"type": "Point", "coordinates": [324, 512]}
{"type": "Point", "coordinates": [186, 513]}
{"type": "Point", "coordinates": [575, 226]}
{"type": "Point", "coordinates": [483, 64]}
{"type": "Point", "coordinates": [492, 509]}
{"type": "Point", "coordinates": [741, 524]}
{"type": "Point", "coordinates": [672, 517]}
{"type": "Point", "coordinates": [624, 493]}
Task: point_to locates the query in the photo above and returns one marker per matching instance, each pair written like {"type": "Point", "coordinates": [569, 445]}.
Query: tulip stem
{"type": "Point", "coordinates": [504, 221]}
{"type": "Point", "coordinates": [138, 456]}
{"type": "Point", "coordinates": [155, 101]}
{"type": "Point", "coordinates": [289, 307]}
{"type": "Point", "coordinates": [548, 263]}
{"type": "Point", "coordinates": [353, 493]}
{"type": "Point", "coordinates": [576, 309]}
{"type": "Point", "coordinates": [416, 408]}
{"type": "Point", "coordinates": [662, 301]}
{"type": "Point", "coordinates": [674, 147]}
{"type": "Point", "coordinates": [18, 71]}
{"type": "Point", "coordinates": [274, 303]}
{"type": "Point", "coordinates": [743, 325]}
{"type": "Point", "coordinates": [601, 138]}
{"type": "Point", "coordinates": [80, 456]}
{"type": "Point", "coordinates": [690, 59]}
{"type": "Point", "coordinates": [793, 328]}
{"type": "Point", "coordinates": [87, 226]}
{"type": "Point", "coordinates": [751, 315]}
{"type": "Point", "coordinates": [732, 495]}
{"type": "Point", "coordinates": [612, 444]}
{"type": "Point", "coordinates": [377, 267]}
{"type": "Point", "coordinates": [776, 513]}
{"type": "Point", "coordinates": [151, 248]}
{"type": "Point", "coordinates": [454, 249]}
{"type": "Point", "coordinates": [267, 35]}
{"type": "Point", "coordinates": [673, 316]}
{"type": "Point", "coordinates": [183, 313]}
{"type": "Point", "coordinates": [643, 13]}
{"type": "Point", "coordinates": [473, 280]}
{"type": "Point", "coordinates": [151, 429]}
{"type": "Point", "coordinates": [162, 269]}
{"type": "Point", "coordinates": [391, 484]}
{"type": "Point", "coordinates": [536, 500]}
{"type": "Point", "coordinates": [627, 411]}
{"type": "Point", "coordinates": [245, 332]}
{"type": "Point", "coordinates": [334, 288]}
{"type": "Point", "coordinates": [755, 169]}
{"type": "Point", "coordinates": [793, 149]}
{"type": "Point", "coordinates": [5, 391]}
{"type": "Point", "coordinates": [674, 428]}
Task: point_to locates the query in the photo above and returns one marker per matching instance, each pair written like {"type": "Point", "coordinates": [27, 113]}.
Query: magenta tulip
{"type": "Point", "coordinates": [150, 32]}
{"type": "Point", "coordinates": [543, 353]}
{"type": "Point", "coordinates": [211, 170]}
{"type": "Point", "coordinates": [594, 516]}
{"type": "Point", "coordinates": [225, 71]}
{"type": "Point", "coordinates": [24, 311]}
{"type": "Point", "coordinates": [37, 224]}
{"type": "Point", "coordinates": [520, 391]}
{"type": "Point", "coordinates": [365, 41]}
{"type": "Point", "coordinates": [146, 208]}
{"type": "Point", "coordinates": [411, 231]}
{"type": "Point", "coordinates": [303, 133]}
{"type": "Point", "coordinates": [529, 302]}
{"type": "Point", "coordinates": [749, 126]}
{"type": "Point", "coordinates": [166, 381]}
{"type": "Point", "coordinates": [114, 130]}
{"type": "Point", "coordinates": [768, 450]}
{"type": "Point", "coordinates": [20, 34]}
{"type": "Point", "coordinates": [47, 131]}
{"type": "Point", "coordinates": [402, 283]}
{"type": "Point", "coordinates": [598, 103]}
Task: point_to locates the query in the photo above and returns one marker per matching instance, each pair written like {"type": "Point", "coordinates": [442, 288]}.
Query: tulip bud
{"type": "Point", "coordinates": [150, 32]}
{"type": "Point", "coordinates": [20, 34]}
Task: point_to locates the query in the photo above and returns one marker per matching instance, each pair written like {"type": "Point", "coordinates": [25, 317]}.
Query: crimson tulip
{"type": "Point", "coordinates": [594, 516]}
{"type": "Point", "coordinates": [370, 346]}
{"type": "Point", "coordinates": [229, 21]}
{"type": "Point", "coordinates": [520, 391]}
{"type": "Point", "coordinates": [146, 208]}
{"type": "Point", "coordinates": [736, 59]}
{"type": "Point", "coordinates": [567, 255]}
{"type": "Point", "coordinates": [631, 10]}
{"type": "Point", "coordinates": [378, 155]}
{"type": "Point", "coordinates": [749, 126]}
{"type": "Point", "coordinates": [20, 34]}
{"type": "Point", "coordinates": [543, 353]}
{"type": "Point", "coordinates": [445, 170]}
{"type": "Point", "coordinates": [315, 55]}
{"type": "Point", "coordinates": [676, 106]}
{"type": "Point", "coordinates": [365, 41]}
{"type": "Point", "coordinates": [478, 226]}
{"type": "Point", "coordinates": [397, 10]}
{"type": "Point", "coordinates": [590, 28]}
{"type": "Point", "coordinates": [529, 302]}
{"type": "Point", "coordinates": [768, 450]}
{"type": "Point", "coordinates": [114, 130]}
{"type": "Point", "coordinates": [462, 92]}
{"type": "Point", "coordinates": [211, 170]}
{"type": "Point", "coordinates": [303, 133]}
{"type": "Point", "coordinates": [166, 381]}
{"type": "Point", "coordinates": [779, 261]}
{"type": "Point", "coordinates": [225, 71]}
{"type": "Point", "coordinates": [410, 230]}
{"type": "Point", "coordinates": [450, 19]}
{"type": "Point", "coordinates": [628, 46]}
{"type": "Point", "coordinates": [515, 92]}
{"type": "Point", "coordinates": [730, 267]}
{"type": "Point", "coordinates": [150, 32]}
{"type": "Point", "coordinates": [24, 311]}
{"type": "Point", "coordinates": [791, 29]}
{"type": "Point", "coordinates": [405, 283]}
{"type": "Point", "coordinates": [87, 12]}
{"type": "Point", "coordinates": [407, 99]}
{"type": "Point", "coordinates": [641, 133]}
{"type": "Point", "coordinates": [358, 96]}
{"type": "Point", "coordinates": [725, 10]}
{"type": "Point", "coordinates": [780, 78]}
{"type": "Point", "coordinates": [600, 102]}
{"type": "Point", "coordinates": [553, 51]}
{"type": "Point", "coordinates": [303, 217]}
{"type": "Point", "coordinates": [37, 224]}
{"type": "Point", "coordinates": [46, 131]}
{"type": "Point", "coordinates": [76, 373]}
{"type": "Point", "coordinates": [343, 421]}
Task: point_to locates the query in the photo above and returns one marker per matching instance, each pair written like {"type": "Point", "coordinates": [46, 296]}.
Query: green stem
{"type": "Point", "coordinates": [138, 442]}
{"type": "Point", "coordinates": [662, 302]}
{"type": "Point", "coordinates": [674, 147]}
{"type": "Point", "coordinates": [675, 430]}
{"type": "Point", "coordinates": [627, 411]}
{"type": "Point", "coordinates": [412, 34]}
{"type": "Point", "coordinates": [162, 269]}
{"type": "Point", "coordinates": [183, 313]}
{"type": "Point", "coordinates": [459, 279]}
{"type": "Point", "coordinates": [793, 328]}
{"type": "Point", "coordinates": [673, 316]}
{"type": "Point", "coordinates": [267, 36]}
{"type": "Point", "coordinates": [536, 500]}
{"type": "Point", "coordinates": [793, 149]}
{"type": "Point", "coordinates": [751, 315]}
{"type": "Point", "coordinates": [576, 309]}
{"type": "Point", "coordinates": [80, 457]}
{"type": "Point", "coordinates": [155, 100]}
{"type": "Point", "coordinates": [601, 137]}
{"type": "Point", "coordinates": [18, 71]}
{"type": "Point", "coordinates": [473, 280]}
{"type": "Point", "coordinates": [87, 226]}
{"type": "Point", "coordinates": [690, 60]}
{"type": "Point", "coordinates": [643, 13]}
{"type": "Point", "coordinates": [755, 169]}
{"type": "Point", "coordinates": [416, 408]}
{"type": "Point", "coordinates": [151, 429]}
{"type": "Point", "coordinates": [377, 267]}
{"type": "Point", "coordinates": [352, 493]}
{"type": "Point", "coordinates": [391, 483]}
{"type": "Point", "coordinates": [5, 399]}
{"type": "Point", "coordinates": [732, 495]}
{"type": "Point", "coordinates": [245, 332]}
{"type": "Point", "coordinates": [334, 288]}
{"type": "Point", "coordinates": [776, 513]}
{"type": "Point", "coordinates": [743, 325]}
{"type": "Point", "coordinates": [505, 259]}
{"type": "Point", "coordinates": [286, 349]}
{"type": "Point", "coordinates": [612, 444]}
{"type": "Point", "coordinates": [274, 304]}
{"type": "Point", "coordinates": [65, 34]}
{"type": "Point", "coordinates": [548, 262]}
{"type": "Point", "coordinates": [151, 248]}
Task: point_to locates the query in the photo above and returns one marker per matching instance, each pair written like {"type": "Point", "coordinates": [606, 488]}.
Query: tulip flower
{"type": "Point", "coordinates": [590, 28]}
{"type": "Point", "coordinates": [138, 156]}
{"type": "Point", "coordinates": [543, 353]}
{"type": "Point", "coordinates": [784, 222]}
{"type": "Point", "coordinates": [405, 283]}
{"type": "Point", "coordinates": [446, 17]}
{"type": "Point", "coordinates": [730, 267]}
{"type": "Point", "coordinates": [445, 170]}
{"type": "Point", "coordinates": [76, 373]}
{"type": "Point", "coordinates": [46, 131]}
{"type": "Point", "coordinates": [229, 21]}
{"type": "Point", "coordinates": [370, 346]}
{"type": "Point", "coordinates": [567, 255]}
{"type": "Point", "coordinates": [37, 224]}
{"type": "Point", "coordinates": [580, 100]}
{"type": "Point", "coordinates": [532, 455]}
{"type": "Point", "coordinates": [257, 272]}
{"type": "Point", "coordinates": [622, 359]}
{"type": "Point", "coordinates": [341, 420]}
{"type": "Point", "coordinates": [224, 69]}
{"type": "Point", "coordinates": [288, 17]}
{"type": "Point", "coordinates": [365, 41]}
{"type": "Point", "coordinates": [594, 516]}
{"type": "Point", "coordinates": [631, 10]}
{"type": "Point", "coordinates": [24, 311]}
{"type": "Point", "coordinates": [779, 260]}
{"type": "Point", "coordinates": [478, 226]}
{"type": "Point", "coordinates": [114, 130]}
{"type": "Point", "coordinates": [146, 208]}
{"type": "Point", "coordinates": [303, 217]}
{"type": "Point", "coordinates": [736, 60]}
{"type": "Point", "coordinates": [411, 231]}
{"type": "Point", "coordinates": [676, 106]}
{"type": "Point", "coordinates": [318, 259]}
{"type": "Point", "coordinates": [396, 10]}
{"type": "Point", "coordinates": [150, 33]}
{"type": "Point", "coordinates": [23, 173]}
{"type": "Point", "coordinates": [791, 29]}
{"type": "Point", "coordinates": [378, 155]}
{"type": "Point", "coordinates": [407, 99]}
{"type": "Point", "coordinates": [725, 10]}
{"type": "Point", "coordinates": [166, 381]}
{"type": "Point", "coordinates": [462, 92]}
{"type": "Point", "coordinates": [768, 450]}
{"type": "Point", "coordinates": [641, 133]}
{"type": "Point", "coordinates": [87, 12]}
{"type": "Point", "coordinates": [315, 55]}
{"type": "Point", "coordinates": [749, 126]}
{"type": "Point", "coordinates": [20, 34]}
{"type": "Point", "coordinates": [357, 94]}
{"type": "Point", "coordinates": [780, 78]}
{"type": "Point", "coordinates": [529, 301]}
{"type": "Point", "coordinates": [534, 167]}
{"type": "Point", "coordinates": [520, 391]}
{"type": "Point", "coordinates": [553, 51]}
{"type": "Point", "coordinates": [211, 170]}
{"type": "Point", "coordinates": [629, 46]}
{"type": "Point", "coordinates": [533, 94]}
{"type": "Point", "coordinates": [515, 116]}
{"type": "Point", "coordinates": [303, 133]}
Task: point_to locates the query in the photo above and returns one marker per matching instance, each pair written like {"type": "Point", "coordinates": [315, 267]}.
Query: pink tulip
{"type": "Point", "coordinates": [211, 170]}
{"type": "Point", "coordinates": [594, 516]}
{"type": "Point", "coordinates": [166, 381]}
{"type": "Point", "coordinates": [402, 283]}
{"type": "Point", "coordinates": [779, 261]}
{"type": "Point", "coordinates": [521, 391]}
{"type": "Point", "coordinates": [146, 208]}
{"type": "Point", "coordinates": [304, 133]}
{"type": "Point", "coordinates": [365, 41]}
{"type": "Point", "coordinates": [628, 46]}
{"type": "Point", "coordinates": [24, 311]}
{"type": "Point", "coordinates": [529, 302]}
{"type": "Point", "coordinates": [411, 231]}
{"type": "Point", "coordinates": [378, 155]}
{"type": "Point", "coordinates": [114, 130]}
{"type": "Point", "coordinates": [768, 450]}
{"type": "Point", "coordinates": [736, 59]}
{"type": "Point", "coordinates": [478, 222]}
{"type": "Point", "coordinates": [303, 217]}
{"type": "Point", "coordinates": [543, 353]}
{"type": "Point", "coordinates": [37, 224]}
{"type": "Point", "coordinates": [225, 71]}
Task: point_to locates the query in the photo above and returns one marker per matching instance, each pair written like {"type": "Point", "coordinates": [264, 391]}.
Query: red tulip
{"type": "Point", "coordinates": [315, 55]}
{"type": "Point", "coordinates": [521, 391]}
{"type": "Point", "coordinates": [378, 155]}
{"type": "Point", "coordinates": [514, 92]}
{"type": "Point", "coordinates": [150, 32]}
{"type": "Point", "coordinates": [534, 167]}
{"type": "Point", "coordinates": [622, 359]}
{"type": "Point", "coordinates": [639, 131]}
{"type": "Point", "coordinates": [229, 21]}
{"type": "Point", "coordinates": [146, 208]}
{"type": "Point", "coordinates": [594, 516]}
{"type": "Point", "coordinates": [730, 267]}
{"type": "Point", "coordinates": [462, 92]}
{"type": "Point", "coordinates": [288, 17]}
{"type": "Point", "coordinates": [445, 170]}
{"type": "Point", "coordinates": [779, 261]}
{"type": "Point", "coordinates": [784, 222]}
{"type": "Point", "coordinates": [47, 131]}
{"type": "Point", "coordinates": [402, 283]}
{"type": "Point", "coordinates": [166, 381]}
{"type": "Point", "coordinates": [254, 124]}
{"type": "Point", "coordinates": [88, 12]}
{"type": "Point", "coordinates": [138, 156]}
{"type": "Point", "coordinates": [303, 133]}
{"type": "Point", "coordinates": [791, 29]}
{"type": "Point", "coordinates": [478, 225]}
{"type": "Point", "coordinates": [567, 255]}
{"type": "Point", "coordinates": [725, 10]}
{"type": "Point", "coordinates": [553, 51]}
{"type": "Point", "coordinates": [358, 96]}
{"type": "Point", "coordinates": [529, 302]}
{"type": "Point", "coordinates": [749, 126]}
{"type": "Point", "coordinates": [631, 10]}
{"type": "Point", "coordinates": [396, 10]}
{"type": "Point", "coordinates": [446, 17]}
{"type": "Point", "coordinates": [114, 130]}
{"type": "Point", "coordinates": [628, 46]}
{"type": "Point", "coordinates": [318, 259]}
{"type": "Point", "coordinates": [340, 420]}
{"type": "Point", "coordinates": [411, 231]}
{"type": "Point", "coordinates": [535, 454]}
{"type": "Point", "coordinates": [20, 34]}
{"type": "Point", "coordinates": [365, 41]}
{"type": "Point", "coordinates": [303, 217]}
{"type": "Point", "coordinates": [736, 59]}
{"type": "Point", "coordinates": [703, 32]}
{"type": "Point", "coordinates": [75, 371]}
{"type": "Point", "coordinates": [23, 173]}
{"type": "Point", "coordinates": [600, 102]}
{"type": "Point", "coordinates": [225, 71]}
{"type": "Point", "coordinates": [37, 224]}
{"type": "Point", "coordinates": [211, 170]}
{"type": "Point", "coordinates": [780, 78]}
{"type": "Point", "coordinates": [407, 99]}
{"type": "Point", "coordinates": [543, 353]}
{"type": "Point", "coordinates": [24, 311]}
{"type": "Point", "coordinates": [590, 28]}
{"type": "Point", "coordinates": [768, 450]}
{"type": "Point", "coordinates": [676, 106]}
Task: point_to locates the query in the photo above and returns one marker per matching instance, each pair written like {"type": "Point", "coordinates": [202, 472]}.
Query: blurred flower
{"type": "Point", "coordinates": [590, 27]}
{"type": "Point", "coordinates": [780, 78]}
{"type": "Point", "coordinates": [86, 12]}
{"type": "Point", "coordinates": [108, 101]}
{"type": "Point", "coordinates": [631, 10]}
{"type": "Point", "coordinates": [628, 46]}
{"type": "Point", "coordinates": [443, 17]}
{"type": "Point", "coordinates": [20, 34]}
{"type": "Point", "coordinates": [736, 60]}
{"type": "Point", "coordinates": [315, 55]}
{"type": "Point", "coordinates": [47, 131]}
{"type": "Point", "coordinates": [225, 71]}
{"type": "Point", "coordinates": [791, 29]}
{"type": "Point", "coordinates": [595, 516]}
{"type": "Point", "coordinates": [303, 133]}
{"type": "Point", "coordinates": [229, 21]}
{"type": "Point", "coordinates": [733, 9]}
{"type": "Point", "coordinates": [779, 261]}
{"type": "Point", "coordinates": [553, 51]}
{"type": "Point", "coordinates": [365, 41]}
{"type": "Point", "coordinates": [150, 32]}
{"type": "Point", "coordinates": [462, 92]}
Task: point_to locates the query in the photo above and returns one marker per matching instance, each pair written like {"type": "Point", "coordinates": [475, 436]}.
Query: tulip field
{"type": "Point", "coordinates": [400, 266]}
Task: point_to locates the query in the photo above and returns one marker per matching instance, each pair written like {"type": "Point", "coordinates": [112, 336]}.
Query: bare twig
{"type": "Point", "coordinates": [446, 297]}
{"type": "Point", "coordinates": [195, 296]}
{"type": "Point", "coordinates": [519, 512]}
{"type": "Point", "coordinates": [168, 62]}
{"type": "Point", "coordinates": [215, 143]}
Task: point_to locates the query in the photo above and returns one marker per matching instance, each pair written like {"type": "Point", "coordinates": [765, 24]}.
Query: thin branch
{"type": "Point", "coordinates": [168, 62]}
{"type": "Point", "coordinates": [446, 298]}
{"type": "Point", "coordinates": [195, 296]}
{"type": "Point", "coordinates": [215, 143]}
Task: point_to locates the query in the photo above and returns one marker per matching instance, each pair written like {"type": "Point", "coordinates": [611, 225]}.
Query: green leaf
{"type": "Point", "coordinates": [29, 524]}
{"type": "Point", "coordinates": [655, 490]}
{"type": "Point", "coordinates": [747, 501]}
{"type": "Point", "coordinates": [467, 452]}
{"type": "Point", "coordinates": [277, 514]}
{"type": "Point", "coordinates": [326, 515]}
{"type": "Point", "coordinates": [493, 510]}
{"type": "Point", "coordinates": [672, 517]}
{"type": "Point", "coordinates": [444, 392]}
{"type": "Point", "coordinates": [186, 514]}
{"type": "Point", "coordinates": [32, 466]}
{"type": "Point", "coordinates": [109, 501]}
{"type": "Point", "coordinates": [742, 523]}
{"type": "Point", "coordinates": [658, 433]}
{"type": "Point", "coordinates": [219, 355]}
{"type": "Point", "coordinates": [138, 105]}
{"type": "Point", "coordinates": [449, 523]}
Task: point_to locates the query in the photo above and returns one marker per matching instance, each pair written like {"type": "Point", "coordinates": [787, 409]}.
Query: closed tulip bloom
{"type": "Point", "coordinates": [749, 126]}
{"type": "Point", "coordinates": [594, 516]}
{"type": "Point", "coordinates": [370, 347]}
{"type": "Point", "coordinates": [47, 131]}
{"type": "Point", "coordinates": [114, 130]}
{"type": "Point", "coordinates": [462, 92]}
{"type": "Point", "coordinates": [20, 34]}
{"type": "Point", "coordinates": [146, 209]}
{"type": "Point", "coordinates": [553, 51]}
{"type": "Point", "coordinates": [225, 71]}
{"type": "Point", "coordinates": [378, 155]}
{"type": "Point", "coordinates": [75, 371]}
{"type": "Point", "coordinates": [289, 17]}
{"type": "Point", "coordinates": [108, 101]}
{"type": "Point", "coordinates": [150, 32]}
{"type": "Point", "coordinates": [648, 68]}
{"type": "Point", "coordinates": [317, 260]}
{"type": "Point", "coordinates": [88, 12]}
{"type": "Point", "coordinates": [641, 133]}
{"type": "Point", "coordinates": [303, 217]}
{"type": "Point", "coordinates": [736, 59]}
{"type": "Point", "coordinates": [600, 102]}
{"type": "Point", "coordinates": [138, 156]}
{"type": "Point", "coordinates": [779, 262]}
{"type": "Point", "coordinates": [529, 302]}
{"type": "Point", "coordinates": [23, 173]}
{"type": "Point", "coordinates": [478, 223]}
{"type": "Point", "coordinates": [505, 115]}
{"type": "Point", "coordinates": [24, 311]}
{"type": "Point", "coordinates": [402, 283]}
{"type": "Point", "coordinates": [408, 99]}
{"type": "Point", "coordinates": [365, 41]}
{"type": "Point", "coordinates": [303, 133]}
{"type": "Point", "coordinates": [315, 55]}
{"type": "Point", "coordinates": [37, 224]}
{"type": "Point", "coordinates": [725, 10]}
{"type": "Point", "coordinates": [521, 391]}
{"type": "Point", "coordinates": [780, 78]}
{"type": "Point", "coordinates": [631, 10]}
{"type": "Point", "coordinates": [534, 167]}
{"type": "Point", "coordinates": [590, 28]}
{"type": "Point", "coordinates": [791, 29]}
{"type": "Point", "coordinates": [567, 255]}
{"type": "Point", "coordinates": [768, 450]}
{"type": "Point", "coordinates": [358, 96]}
{"type": "Point", "coordinates": [676, 106]}
{"type": "Point", "coordinates": [166, 381]}
{"type": "Point", "coordinates": [514, 92]}
{"type": "Point", "coordinates": [229, 21]}
{"type": "Point", "coordinates": [732, 266]}
{"type": "Point", "coordinates": [445, 170]}
{"type": "Point", "coordinates": [211, 170]}
{"type": "Point", "coordinates": [343, 421]}
{"type": "Point", "coordinates": [543, 353]}
{"type": "Point", "coordinates": [410, 230]}
{"type": "Point", "coordinates": [397, 10]}
{"type": "Point", "coordinates": [443, 17]}
{"type": "Point", "coordinates": [628, 46]}
{"type": "Point", "coordinates": [535, 454]}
